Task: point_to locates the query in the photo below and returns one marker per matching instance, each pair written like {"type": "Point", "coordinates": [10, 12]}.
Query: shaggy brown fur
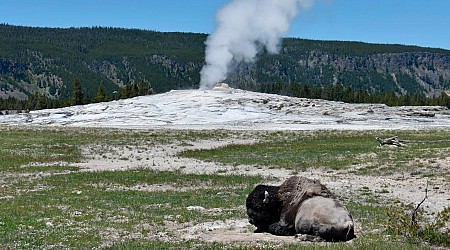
{"type": "Point", "coordinates": [294, 191]}
{"type": "Point", "coordinates": [301, 205]}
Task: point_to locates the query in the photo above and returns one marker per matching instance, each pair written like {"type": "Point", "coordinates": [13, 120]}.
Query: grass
{"type": "Point", "coordinates": [73, 210]}
{"type": "Point", "coordinates": [293, 151]}
{"type": "Point", "coordinates": [334, 150]}
{"type": "Point", "coordinates": [44, 169]}
{"type": "Point", "coordinates": [45, 202]}
{"type": "Point", "coordinates": [22, 146]}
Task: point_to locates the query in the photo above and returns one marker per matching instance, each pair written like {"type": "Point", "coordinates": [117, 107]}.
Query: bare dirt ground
{"type": "Point", "coordinates": [402, 186]}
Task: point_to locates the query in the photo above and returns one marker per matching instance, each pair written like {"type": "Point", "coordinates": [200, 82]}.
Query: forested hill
{"type": "Point", "coordinates": [48, 60]}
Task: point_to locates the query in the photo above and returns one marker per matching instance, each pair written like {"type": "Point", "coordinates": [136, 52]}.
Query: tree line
{"type": "Point", "coordinates": [348, 94]}
{"type": "Point", "coordinates": [38, 101]}
{"type": "Point", "coordinates": [337, 92]}
{"type": "Point", "coordinates": [51, 58]}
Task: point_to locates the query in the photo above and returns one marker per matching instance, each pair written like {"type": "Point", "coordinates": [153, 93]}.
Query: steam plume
{"type": "Point", "coordinates": [243, 28]}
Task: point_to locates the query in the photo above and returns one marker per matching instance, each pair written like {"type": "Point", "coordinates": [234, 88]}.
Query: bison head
{"type": "Point", "coordinates": [263, 207]}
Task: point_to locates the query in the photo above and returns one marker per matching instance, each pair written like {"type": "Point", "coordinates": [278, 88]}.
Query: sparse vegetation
{"type": "Point", "coordinates": [335, 150]}
{"type": "Point", "coordinates": [46, 201]}
{"type": "Point", "coordinates": [77, 209]}
{"type": "Point", "coordinates": [435, 230]}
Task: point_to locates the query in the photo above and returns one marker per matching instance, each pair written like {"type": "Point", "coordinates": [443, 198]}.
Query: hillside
{"type": "Point", "coordinates": [48, 60]}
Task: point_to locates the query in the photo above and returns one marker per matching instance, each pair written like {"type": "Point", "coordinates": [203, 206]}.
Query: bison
{"type": "Point", "coordinates": [299, 206]}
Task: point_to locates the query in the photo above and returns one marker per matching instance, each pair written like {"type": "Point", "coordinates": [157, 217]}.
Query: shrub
{"type": "Point", "coordinates": [433, 231]}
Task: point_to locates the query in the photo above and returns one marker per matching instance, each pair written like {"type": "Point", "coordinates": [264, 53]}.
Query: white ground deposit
{"type": "Point", "coordinates": [227, 108]}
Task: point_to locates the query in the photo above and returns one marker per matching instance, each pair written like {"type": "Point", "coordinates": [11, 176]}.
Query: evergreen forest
{"type": "Point", "coordinates": [55, 67]}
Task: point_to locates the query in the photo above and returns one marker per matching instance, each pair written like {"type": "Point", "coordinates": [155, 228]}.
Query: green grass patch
{"type": "Point", "coordinates": [44, 169]}
{"type": "Point", "coordinates": [332, 150]}
{"type": "Point", "coordinates": [74, 210]}
{"type": "Point", "coordinates": [143, 176]}
{"type": "Point", "coordinates": [294, 151]}
{"type": "Point", "coordinates": [23, 146]}
{"type": "Point", "coordinates": [375, 245]}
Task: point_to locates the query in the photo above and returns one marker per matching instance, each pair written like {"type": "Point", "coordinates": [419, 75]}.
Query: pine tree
{"type": "Point", "coordinates": [143, 88]}
{"type": "Point", "coordinates": [101, 95]}
{"type": "Point", "coordinates": [126, 92]}
{"type": "Point", "coordinates": [444, 99]}
{"type": "Point", "coordinates": [42, 102]}
{"type": "Point", "coordinates": [77, 93]}
{"type": "Point", "coordinates": [135, 90]}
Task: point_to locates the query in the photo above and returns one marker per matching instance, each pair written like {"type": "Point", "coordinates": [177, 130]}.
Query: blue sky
{"type": "Point", "coordinates": [413, 22]}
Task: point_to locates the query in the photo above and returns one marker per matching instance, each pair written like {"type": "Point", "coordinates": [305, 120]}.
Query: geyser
{"type": "Point", "coordinates": [244, 27]}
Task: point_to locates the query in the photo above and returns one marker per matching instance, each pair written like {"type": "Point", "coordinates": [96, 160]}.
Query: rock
{"type": "Point", "coordinates": [195, 208]}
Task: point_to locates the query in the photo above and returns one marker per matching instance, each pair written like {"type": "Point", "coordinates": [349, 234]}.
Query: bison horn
{"type": "Point", "coordinates": [266, 197]}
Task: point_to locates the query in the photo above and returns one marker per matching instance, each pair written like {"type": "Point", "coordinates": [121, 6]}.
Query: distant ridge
{"type": "Point", "coordinates": [47, 60]}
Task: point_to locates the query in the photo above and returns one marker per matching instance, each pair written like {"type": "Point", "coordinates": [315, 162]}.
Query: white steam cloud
{"type": "Point", "coordinates": [243, 28]}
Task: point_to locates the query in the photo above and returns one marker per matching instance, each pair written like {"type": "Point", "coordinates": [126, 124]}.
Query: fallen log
{"type": "Point", "coordinates": [391, 141]}
{"type": "Point", "coordinates": [395, 141]}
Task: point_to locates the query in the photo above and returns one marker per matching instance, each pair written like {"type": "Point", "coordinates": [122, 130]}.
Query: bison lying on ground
{"type": "Point", "coordinates": [299, 206]}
